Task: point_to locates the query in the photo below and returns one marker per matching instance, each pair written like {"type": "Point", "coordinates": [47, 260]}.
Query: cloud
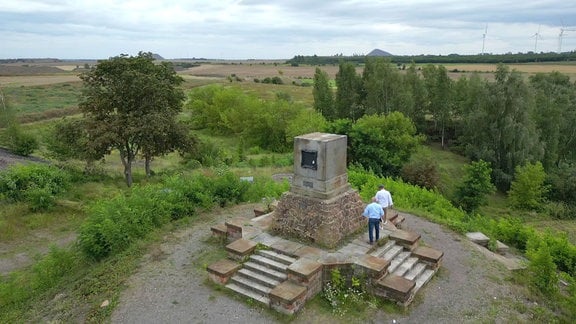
{"type": "Point", "coordinates": [278, 29]}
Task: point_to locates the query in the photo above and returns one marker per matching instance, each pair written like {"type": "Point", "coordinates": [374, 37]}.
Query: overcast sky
{"type": "Point", "coordinates": [280, 29]}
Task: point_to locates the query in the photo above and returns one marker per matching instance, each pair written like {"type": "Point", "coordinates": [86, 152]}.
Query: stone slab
{"type": "Point", "coordinates": [478, 238]}
{"type": "Point", "coordinates": [397, 284]}
{"type": "Point", "coordinates": [428, 254]}
{"type": "Point", "coordinates": [354, 249]}
{"type": "Point", "coordinates": [287, 247]}
{"type": "Point", "coordinates": [406, 239]}
{"type": "Point", "coordinates": [287, 292]}
{"type": "Point", "coordinates": [219, 229]}
{"type": "Point", "coordinates": [241, 247]}
{"type": "Point", "coordinates": [501, 247]}
{"type": "Point", "coordinates": [224, 267]}
{"type": "Point", "coordinates": [265, 238]}
{"type": "Point", "coordinates": [375, 264]}
{"type": "Point", "coordinates": [304, 267]}
{"type": "Point", "coordinates": [309, 252]}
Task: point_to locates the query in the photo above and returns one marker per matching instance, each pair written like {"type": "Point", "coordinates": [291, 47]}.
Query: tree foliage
{"type": "Point", "coordinates": [383, 144]}
{"type": "Point", "coordinates": [323, 96]}
{"type": "Point", "coordinates": [129, 103]}
{"type": "Point", "coordinates": [476, 185]}
{"type": "Point", "coordinates": [348, 99]}
{"type": "Point", "coordinates": [528, 190]}
{"type": "Point", "coordinates": [500, 131]}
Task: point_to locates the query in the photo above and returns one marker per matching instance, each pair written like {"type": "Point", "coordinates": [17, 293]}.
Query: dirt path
{"type": "Point", "coordinates": [170, 285]}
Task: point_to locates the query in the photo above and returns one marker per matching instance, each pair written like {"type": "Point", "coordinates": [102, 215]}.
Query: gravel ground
{"type": "Point", "coordinates": [169, 287]}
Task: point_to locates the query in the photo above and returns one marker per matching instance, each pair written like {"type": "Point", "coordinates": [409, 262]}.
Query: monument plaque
{"type": "Point", "coordinates": [321, 206]}
{"type": "Point", "coordinates": [320, 165]}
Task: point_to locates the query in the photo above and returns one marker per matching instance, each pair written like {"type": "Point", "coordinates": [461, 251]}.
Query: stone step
{"type": "Point", "coordinates": [416, 271]}
{"type": "Point", "coordinates": [279, 257]}
{"type": "Point", "coordinates": [249, 293]}
{"type": "Point", "coordinates": [397, 261]}
{"type": "Point", "coordinates": [262, 279]}
{"type": "Point", "coordinates": [392, 252]}
{"type": "Point", "coordinates": [424, 278]}
{"type": "Point", "coordinates": [275, 265]}
{"type": "Point", "coordinates": [250, 284]}
{"type": "Point", "coordinates": [271, 273]}
{"type": "Point", "coordinates": [379, 251]}
{"type": "Point", "coordinates": [405, 266]}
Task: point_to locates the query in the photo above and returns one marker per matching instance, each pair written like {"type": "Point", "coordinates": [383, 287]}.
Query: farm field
{"type": "Point", "coordinates": [248, 70]}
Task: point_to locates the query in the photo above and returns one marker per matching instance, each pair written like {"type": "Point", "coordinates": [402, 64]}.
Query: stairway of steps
{"type": "Point", "coordinates": [404, 264]}
{"type": "Point", "coordinates": [264, 270]}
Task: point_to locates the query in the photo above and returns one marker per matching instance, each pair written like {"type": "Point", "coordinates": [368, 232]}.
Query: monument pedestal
{"type": "Point", "coordinates": [322, 221]}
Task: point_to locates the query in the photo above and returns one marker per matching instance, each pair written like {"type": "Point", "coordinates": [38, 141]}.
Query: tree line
{"type": "Point", "coordinates": [507, 58]}
{"type": "Point", "coordinates": [508, 122]}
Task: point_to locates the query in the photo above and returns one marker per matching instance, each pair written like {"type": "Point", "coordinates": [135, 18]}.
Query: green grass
{"type": "Point", "coordinates": [35, 99]}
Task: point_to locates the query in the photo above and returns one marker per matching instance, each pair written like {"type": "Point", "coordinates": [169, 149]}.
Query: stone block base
{"type": "Point", "coordinates": [325, 222]}
{"type": "Point", "coordinates": [287, 298]}
{"type": "Point", "coordinates": [408, 240]}
{"type": "Point", "coordinates": [240, 249]}
{"type": "Point", "coordinates": [396, 288]}
{"type": "Point", "coordinates": [432, 257]}
{"type": "Point", "coordinates": [221, 271]}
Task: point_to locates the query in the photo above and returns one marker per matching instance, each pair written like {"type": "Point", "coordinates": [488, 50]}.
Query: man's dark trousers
{"type": "Point", "coordinates": [373, 225]}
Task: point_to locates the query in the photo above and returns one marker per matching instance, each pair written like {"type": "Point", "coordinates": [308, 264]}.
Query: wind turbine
{"type": "Point", "coordinates": [536, 36]}
{"type": "Point", "coordinates": [484, 38]}
{"type": "Point", "coordinates": [561, 35]}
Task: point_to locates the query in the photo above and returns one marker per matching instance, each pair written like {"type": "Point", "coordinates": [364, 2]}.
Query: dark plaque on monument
{"type": "Point", "coordinates": [309, 160]}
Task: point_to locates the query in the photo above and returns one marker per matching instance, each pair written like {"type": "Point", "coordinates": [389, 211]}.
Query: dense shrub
{"type": "Point", "coordinates": [422, 170]}
{"type": "Point", "coordinates": [113, 224]}
{"type": "Point", "coordinates": [542, 270]}
{"type": "Point", "coordinates": [528, 190]}
{"type": "Point", "coordinates": [34, 183]}
{"type": "Point", "coordinates": [21, 143]}
{"type": "Point", "coordinates": [472, 191]}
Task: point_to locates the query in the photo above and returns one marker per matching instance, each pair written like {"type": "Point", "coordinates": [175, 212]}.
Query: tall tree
{"type": "Point", "coordinates": [348, 92]}
{"type": "Point", "coordinates": [128, 101]}
{"type": "Point", "coordinates": [555, 116]}
{"type": "Point", "coordinates": [381, 85]}
{"type": "Point", "coordinates": [439, 93]}
{"type": "Point", "coordinates": [323, 96]}
{"type": "Point", "coordinates": [417, 110]}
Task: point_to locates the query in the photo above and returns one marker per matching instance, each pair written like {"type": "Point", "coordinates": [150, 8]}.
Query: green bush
{"type": "Point", "coordinates": [542, 270]}
{"type": "Point", "coordinates": [422, 170]}
{"type": "Point", "coordinates": [36, 184]}
{"type": "Point", "coordinates": [528, 190]}
{"type": "Point", "coordinates": [112, 225]}
{"type": "Point", "coordinates": [21, 143]}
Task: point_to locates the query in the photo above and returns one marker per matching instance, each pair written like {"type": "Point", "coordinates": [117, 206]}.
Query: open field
{"type": "Point", "coordinates": [249, 70]}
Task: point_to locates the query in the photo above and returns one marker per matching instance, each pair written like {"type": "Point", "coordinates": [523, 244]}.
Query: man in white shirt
{"type": "Point", "coordinates": [384, 198]}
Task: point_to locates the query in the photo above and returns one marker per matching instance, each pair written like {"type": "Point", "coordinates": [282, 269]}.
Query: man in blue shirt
{"type": "Point", "coordinates": [374, 212]}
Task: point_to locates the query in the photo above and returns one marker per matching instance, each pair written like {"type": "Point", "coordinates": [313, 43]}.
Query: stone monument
{"type": "Point", "coordinates": [321, 206]}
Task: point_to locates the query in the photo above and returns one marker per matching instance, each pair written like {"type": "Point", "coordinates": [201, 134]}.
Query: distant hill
{"type": "Point", "coordinates": [378, 52]}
